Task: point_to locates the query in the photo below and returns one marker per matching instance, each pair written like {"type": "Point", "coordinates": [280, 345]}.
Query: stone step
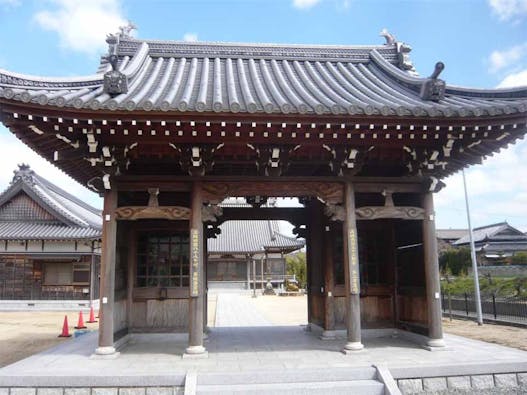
{"type": "Point", "coordinates": [284, 376]}
{"type": "Point", "coordinates": [359, 387]}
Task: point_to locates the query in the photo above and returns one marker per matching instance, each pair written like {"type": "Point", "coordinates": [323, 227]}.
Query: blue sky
{"type": "Point", "coordinates": [482, 43]}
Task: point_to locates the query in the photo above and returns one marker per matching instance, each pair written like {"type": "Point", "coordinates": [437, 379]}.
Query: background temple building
{"type": "Point", "coordinates": [496, 243]}
{"type": "Point", "coordinates": [248, 252]}
{"type": "Point", "coordinates": [165, 131]}
{"type": "Point", "coordinates": [49, 241]}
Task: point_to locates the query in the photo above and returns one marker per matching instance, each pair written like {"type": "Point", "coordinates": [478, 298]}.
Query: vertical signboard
{"type": "Point", "coordinates": [354, 261]}
{"type": "Point", "coordinates": [194, 262]}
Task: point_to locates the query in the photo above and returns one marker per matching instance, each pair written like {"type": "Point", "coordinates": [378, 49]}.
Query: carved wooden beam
{"type": "Point", "coordinates": [210, 213]}
{"type": "Point", "coordinates": [380, 212]}
{"type": "Point", "coordinates": [335, 212]}
{"type": "Point", "coordinates": [389, 210]}
{"type": "Point", "coordinates": [144, 212]}
{"type": "Point", "coordinates": [216, 192]}
{"type": "Point", "coordinates": [153, 210]}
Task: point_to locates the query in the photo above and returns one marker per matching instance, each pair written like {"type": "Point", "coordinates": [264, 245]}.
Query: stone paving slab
{"type": "Point", "coordinates": [254, 348]}
{"type": "Point", "coordinates": [245, 341]}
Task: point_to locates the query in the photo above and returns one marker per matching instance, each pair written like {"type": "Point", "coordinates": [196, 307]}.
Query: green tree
{"type": "Point", "coordinates": [456, 261]}
{"type": "Point", "coordinates": [520, 258]}
{"type": "Point", "coordinates": [296, 264]}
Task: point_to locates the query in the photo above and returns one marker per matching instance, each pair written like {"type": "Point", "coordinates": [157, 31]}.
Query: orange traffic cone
{"type": "Point", "coordinates": [65, 329]}
{"type": "Point", "coordinates": [92, 317]}
{"type": "Point", "coordinates": [80, 323]}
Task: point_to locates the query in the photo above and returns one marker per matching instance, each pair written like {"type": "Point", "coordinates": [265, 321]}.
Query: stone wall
{"type": "Point", "coordinates": [505, 383]}
{"type": "Point", "coordinates": [93, 391]}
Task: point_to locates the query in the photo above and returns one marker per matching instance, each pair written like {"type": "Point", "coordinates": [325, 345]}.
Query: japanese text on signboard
{"type": "Point", "coordinates": [194, 262]}
{"type": "Point", "coordinates": [354, 261]}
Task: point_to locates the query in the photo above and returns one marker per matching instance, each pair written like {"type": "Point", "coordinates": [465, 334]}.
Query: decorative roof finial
{"type": "Point", "coordinates": [23, 173]}
{"type": "Point", "coordinates": [390, 38]}
{"type": "Point", "coordinates": [434, 88]}
{"type": "Point", "coordinates": [124, 31]}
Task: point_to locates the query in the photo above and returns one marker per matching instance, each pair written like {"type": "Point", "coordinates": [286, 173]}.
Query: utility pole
{"type": "Point", "coordinates": [473, 256]}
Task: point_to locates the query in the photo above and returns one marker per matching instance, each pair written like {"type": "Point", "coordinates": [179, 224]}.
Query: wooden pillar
{"type": "Point", "coordinates": [329, 286]}
{"type": "Point", "coordinates": [351, 271]}
{"type": "Point", "coordinates": [433, 297]}
{"type": "Point", "coordinates": [196, 275]}
{"type": "Point", "coordinates": [109, 240]}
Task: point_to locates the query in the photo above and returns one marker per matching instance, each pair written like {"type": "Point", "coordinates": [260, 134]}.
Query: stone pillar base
{"type": "Point", "coordinates": [435, 345]}
{"type": "Point", "coordinates": [328, 335]}
{"type": "Point", "coordinates": [107, 352]}
{"type": "Point", "coordinates": [352, 347]}
{"type": "Point", "coordinates": [196, 352]}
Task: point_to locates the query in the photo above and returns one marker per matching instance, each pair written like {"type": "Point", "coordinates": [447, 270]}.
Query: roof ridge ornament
{"type": "Point", "coordinates": [23, 173]}
{"type": "Point", "coordinates": [433, 88]}
{"type": "Point", "coordinates": [124, 31]}
{"type": "Point", "coordinates": [390, 38]}
{"type": "Point", "coordinates": [115, 82]}
{"type": "Point", "coordinates": [403, 50]}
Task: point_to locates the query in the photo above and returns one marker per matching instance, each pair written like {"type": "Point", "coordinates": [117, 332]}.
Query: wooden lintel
{"type": "Point", "coordinates": [394, 212]}
{"type": "Point", "coordinates": [215, 192]}
{"type": "Point", "coordinates": [146, 212]}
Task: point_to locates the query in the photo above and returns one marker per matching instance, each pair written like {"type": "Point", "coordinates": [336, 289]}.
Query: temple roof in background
{"type": "Point", "coordinates": [499, 232]}
{"type": "Point", "coordinates": [252, 237]}
{"type": "Point", "coordinates": [33, 208]}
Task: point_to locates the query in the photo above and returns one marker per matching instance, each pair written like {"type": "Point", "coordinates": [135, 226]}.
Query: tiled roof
{"type": "Point", "coordinates": [34, 231]}
{"type": "Point", "coordinates": [261, 78]}
{"type": "Point", "coordinates": [450, 234]}
{"type": "Point", "coordinates": [57, 214]}
{"type": "Point", "coordinates": [248, 237]}
{"type": "Point", "coordinates": [496, 232]}
{"type": "Point", "coordinates": [496, 247]}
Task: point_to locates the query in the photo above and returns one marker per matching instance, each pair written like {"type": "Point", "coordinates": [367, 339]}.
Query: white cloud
{"type": "Point", "coordinates": [497, 192]}
{"type": "Point", "coordinates": [501, 59]}
{"type": "Point", "coordinates": [305, 4]}
{"type": "Point", "coordinates": [509, 9]}
{"type": "Point", "coordinates": [514, 79]}
{"type": "Point", "coordinates": [191, 37]}
{"type": "Point", "coordinates": [14, 152]}
{"type": "Point", "coordinates": [82, 25]}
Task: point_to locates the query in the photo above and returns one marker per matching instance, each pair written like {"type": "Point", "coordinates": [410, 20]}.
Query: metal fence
{"type": "Point", "coordinates": [512, 309]}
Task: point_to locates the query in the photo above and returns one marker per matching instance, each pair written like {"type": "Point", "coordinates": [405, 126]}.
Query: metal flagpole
{"type": "Point", "coordinates": [473, 256]}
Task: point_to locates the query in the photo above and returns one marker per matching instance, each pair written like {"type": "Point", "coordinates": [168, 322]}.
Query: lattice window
{"type": "Point", "coordinates": [163, 259]}
{"type": "Point", "coordinates": [81, 273]}
{"type": "Point", "coordinates": [57, 273]}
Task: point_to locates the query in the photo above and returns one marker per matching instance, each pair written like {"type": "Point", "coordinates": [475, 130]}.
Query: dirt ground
{"type": "Point", "coordinates": [25, 333]}
{"type": "Point", "coordinates": [505, 335]}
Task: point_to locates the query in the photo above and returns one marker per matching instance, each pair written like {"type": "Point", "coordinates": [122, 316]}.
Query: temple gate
{"type": "Point", "coordinates": [167, 130]}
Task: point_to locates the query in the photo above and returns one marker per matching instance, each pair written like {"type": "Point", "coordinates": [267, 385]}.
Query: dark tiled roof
{"type": "Point", "coordinates": [33, 231]}
{"type": "Point", "coordinates": [496, 232]}
{"type": "Point", "coordinates": [249, 237]}
{"type": "Point", "coordinates": [262, 78]}
{"type": "Point", "coordinates": [450, 234]}
{"type": "Point", "coordinates": [34, 208]}
{"type": "Point", "coordinates": [497, 247]}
